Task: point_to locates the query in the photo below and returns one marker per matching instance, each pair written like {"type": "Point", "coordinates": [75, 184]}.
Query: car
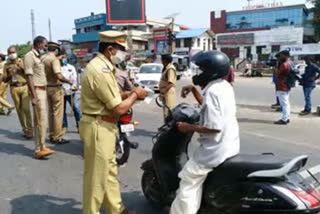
{"type": "Point", "coordinates": [149, 75]}
{"type": "Point", "coordinates": [132, 67]}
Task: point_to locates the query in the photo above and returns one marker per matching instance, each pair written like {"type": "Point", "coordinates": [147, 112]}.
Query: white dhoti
{"type": "Point", "coordinates": [189, 195]}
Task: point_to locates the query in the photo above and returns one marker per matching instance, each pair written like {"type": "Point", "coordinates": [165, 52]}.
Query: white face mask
{"type": "Point", "coordinates": [118, 58]}
{"type": "Point", "coordinates": [13, 56]}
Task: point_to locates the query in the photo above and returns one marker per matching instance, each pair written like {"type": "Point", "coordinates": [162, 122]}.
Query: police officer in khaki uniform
{"type": "Point", "coordinates": [101, 104]}
{"type": "Point", "coordinates": [55, 93]}
{"type": "Point", "coordinates": [168, 83]}
{"type": "Point", "coordinates": [14, 75]}
{"type": "Point", "coordinates": [3, 88]}
{"type": "Point", "coordinates": [37, 83]}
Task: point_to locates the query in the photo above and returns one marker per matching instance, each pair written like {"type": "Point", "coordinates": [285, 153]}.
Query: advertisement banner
{"type": "Point", "coordinates": [126, 12]}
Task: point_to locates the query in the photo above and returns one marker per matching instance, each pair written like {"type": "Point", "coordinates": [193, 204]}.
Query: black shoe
{"type": "Point", "coordinates": [2, 113]}
{"type": "Point", "coordinates": [10, 110]}
{"type": "Point", "coordinates": [134, 145]}
{"type": "Point", "coordinates": [281, 122]}
{"type": "Point", "coordinates": [275, 106]}
{"type": "Point", "coordinates": [60, 142]}
{"type": "Point", "coordinates": [304, 113]}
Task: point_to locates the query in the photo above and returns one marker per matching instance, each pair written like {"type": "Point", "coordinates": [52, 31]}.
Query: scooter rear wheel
{"type": "Point", "coordinates": [151, 189]}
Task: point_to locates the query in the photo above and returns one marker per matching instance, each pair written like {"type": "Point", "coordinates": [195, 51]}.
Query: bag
{"type": "Point", "coordinates": [292, 77]}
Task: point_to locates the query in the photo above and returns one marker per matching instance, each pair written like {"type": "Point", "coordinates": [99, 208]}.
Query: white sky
{"type": "Point", "coordinates": [16, 22]}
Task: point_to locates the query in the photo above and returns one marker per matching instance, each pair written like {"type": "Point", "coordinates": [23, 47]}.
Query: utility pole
{"type": "Point", "coordinates": [172, 42]}
{"type": "Point", "coordinates": [33, 25]}
{"type": "Point", "coordinates": [49, 24]}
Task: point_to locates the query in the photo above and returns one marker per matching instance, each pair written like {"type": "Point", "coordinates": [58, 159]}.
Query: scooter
{"type": "Point", "coordinates": [261, 183]}
{"type": "Point", "coordinates": [123, 145]}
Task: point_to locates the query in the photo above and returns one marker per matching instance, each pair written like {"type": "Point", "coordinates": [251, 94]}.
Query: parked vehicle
{"type": "Point", "coordinates": [243, 184]}
{"type": "Point", "coordinates": [149, 75]}
{"type": "Point", "coordinates": [123, 144]}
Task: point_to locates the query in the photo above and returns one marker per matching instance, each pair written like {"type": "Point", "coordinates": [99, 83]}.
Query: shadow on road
{"type": "Point", "coordinates": [12, 149]}
{"type": "Point", "coordinates": [257, 107]}
{"type": "Point", "coordinates": [136, 201]}
{"type": "Point", "coordinates": [75, 147]}
{"type": "Point", "coordinates": [144, 133]}
{"type": "Point", "coordinates": [12, 135]}
{"type": "Point", "coordinates": [247, 120]}
{"type": "Point", "coordinates": [44, 204]}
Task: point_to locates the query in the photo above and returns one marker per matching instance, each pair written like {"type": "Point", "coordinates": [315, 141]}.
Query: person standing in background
{"type": "Point", "coordinates": [14, 75]}
{"type": "Point", "coordinates": [55, 93]}
{"type": "Point", "coordinates": [69, 73]}
{"type": "Point", "coordinates": [3, 89]}
{"type": "Point", "coordinates": [37, 83]}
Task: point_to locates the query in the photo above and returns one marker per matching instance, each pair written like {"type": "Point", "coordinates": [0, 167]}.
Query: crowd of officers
{"type": "Point", "coordinates": [104, 98]}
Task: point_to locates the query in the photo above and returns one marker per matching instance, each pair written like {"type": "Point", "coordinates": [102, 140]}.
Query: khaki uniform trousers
{"type": "Point", "coordinates": [55, 110]}
{"type": "Point", "coordinates": [3, 96]}
{"type": "Point", "coordinates": [100, 184]}
{"type": "Point", "coordinates": [21, 99]}
{"type": "Point", "coordinates": [169, 100]}
{"type": "Point", "coordinates": [40, 120]}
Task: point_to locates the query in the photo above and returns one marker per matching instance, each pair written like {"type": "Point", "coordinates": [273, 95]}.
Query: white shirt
{"type": "Point", "coordinates": [218, 112]}
{"type": "Point", "coordinates": [69, 72]}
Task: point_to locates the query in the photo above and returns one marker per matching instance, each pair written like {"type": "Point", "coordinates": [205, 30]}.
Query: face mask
{"type": "Point", "coordinates": [42, 51]}
{"type": "Point", "coordinates": [123, 65]}
{"type": "Point", "coordinates": [13, 56]}
{"type": "Point", "coordinates": [118, 58]}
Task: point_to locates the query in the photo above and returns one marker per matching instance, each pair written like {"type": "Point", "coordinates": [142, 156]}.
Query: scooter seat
{"type": "Point", "coordinates": [242, 165]}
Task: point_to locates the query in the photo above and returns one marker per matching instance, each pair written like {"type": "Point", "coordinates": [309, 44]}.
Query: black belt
{"type": "Point", "coordinates": [18, 84]}
{"type": "Point", "coordinates": [104, 118]}
{"type": "Point", "coordinates": [53, 86]}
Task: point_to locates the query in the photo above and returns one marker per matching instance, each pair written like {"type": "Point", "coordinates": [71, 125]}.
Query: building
{"type": "Point", "coordinates": [87, 29]}
{"type": "Point", "coordinates": [260, 30]}
{"type": "Point", "coordinates": [195, 39]}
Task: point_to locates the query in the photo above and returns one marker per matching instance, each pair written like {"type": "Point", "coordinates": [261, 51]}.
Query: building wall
{"type": "Point", "coordinates": [200, 43]}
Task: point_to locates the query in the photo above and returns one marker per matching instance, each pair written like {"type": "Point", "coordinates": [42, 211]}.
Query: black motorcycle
{"type": "Point", "coordinates": [242, 184]}
{"type": "Point", "coordinates": [123, 144]}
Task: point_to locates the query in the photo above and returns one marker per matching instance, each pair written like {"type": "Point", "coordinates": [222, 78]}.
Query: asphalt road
{"type": "Point", "coordinates": [54, 186]}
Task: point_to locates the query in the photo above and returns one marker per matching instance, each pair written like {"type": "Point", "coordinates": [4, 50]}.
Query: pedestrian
{"type": "Point", "coordinates": [3, 89]}
{"type": "Point", "coordinates": [55, 93]}
{"type": "Point", "coordinates": [16, 78]}
{"type": "Point", "coordinates": [101, 105]}
{"type": "Point", "coordinates": [37, 83]}
{"type": "Point", "coordinates": [311, 74]}
{"type": "Point", "coordinates": [218, 129]}
{"type": "Point", "coordinates": [124, 67]}
{"type": "Point", "coordinates": [168, 83]}
{"type": "Point", "coordinates": [123, 79]}
{"type": "Point", "coordinates": [276, 106]}
{"type": "Point", "coordinates": [282, 73]}
{"type": "Point", "coordinates": [69, 73]}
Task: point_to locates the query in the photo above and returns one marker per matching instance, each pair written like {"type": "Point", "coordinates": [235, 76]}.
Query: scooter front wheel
{"type": "Point", "coordinates": [151, 189]}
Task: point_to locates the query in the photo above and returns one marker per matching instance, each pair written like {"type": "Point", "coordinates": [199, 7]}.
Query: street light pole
{"type": "Point", "coordinates": [172, 42]}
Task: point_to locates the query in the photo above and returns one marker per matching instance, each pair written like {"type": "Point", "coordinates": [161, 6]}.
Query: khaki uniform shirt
{"type": "Point", "coordinates": [169, 75]}
{"type": "Point", "coordinates": [123, 80]}
{"type": "Point", "coordinates": [35, 67]}
{"type": "Point", "coordinates": [1, 67]}
{"type": "Point", "coordinates": [16, 70]}
{"type": "Point", "coordinates": [99, 90]}
{"type": "Point", "coordinates": [52, 68]}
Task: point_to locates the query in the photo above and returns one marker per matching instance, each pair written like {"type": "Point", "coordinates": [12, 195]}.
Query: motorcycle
{"type": "Point", "coordinates": [123, 145]}
{"type": "Point", "coordinates": [261, 183]}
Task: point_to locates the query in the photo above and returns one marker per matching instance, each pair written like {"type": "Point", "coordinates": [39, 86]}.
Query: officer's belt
{"type": "Point", "coordinates": [103, 118]}
{"type": "Point", "coordinates": [52, 86]}
{"type": "Point", "coordinates": [18, 84]}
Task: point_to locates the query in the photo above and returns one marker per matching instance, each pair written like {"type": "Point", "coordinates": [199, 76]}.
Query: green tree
{"type": "Point", "coordinates": [23, 49]}
{"type": "Point", "coordinates": [316, 18]}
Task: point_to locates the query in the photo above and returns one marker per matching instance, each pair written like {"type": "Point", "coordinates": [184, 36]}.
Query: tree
{"type": "Point", "coordinates": [316, 17]}
{"type": "Point", "coordinates": [23, 49]}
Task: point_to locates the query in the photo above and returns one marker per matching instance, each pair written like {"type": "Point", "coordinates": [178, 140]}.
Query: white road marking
{"type": "Point", "coordinates": [314, 170]}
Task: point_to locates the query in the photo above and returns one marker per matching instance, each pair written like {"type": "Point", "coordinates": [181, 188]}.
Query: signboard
{"type": "Point", "coordinates": [262, 6]}
{"type": "Point", "coordinates": [306, 49]}
{"type": "Point", "coordinates": [80, 52]}
{"type": "Point", "coordinates": [126, 12]}
{"type": "Point", "coordinates": [236, 39]}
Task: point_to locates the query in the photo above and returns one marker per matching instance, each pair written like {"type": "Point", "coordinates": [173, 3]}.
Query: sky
{"type": "Point", "coordinates": [15, 27]}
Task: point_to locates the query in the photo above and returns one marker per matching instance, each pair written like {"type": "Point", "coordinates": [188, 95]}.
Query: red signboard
{"type": "Point", "coordinates": [126, 11]}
